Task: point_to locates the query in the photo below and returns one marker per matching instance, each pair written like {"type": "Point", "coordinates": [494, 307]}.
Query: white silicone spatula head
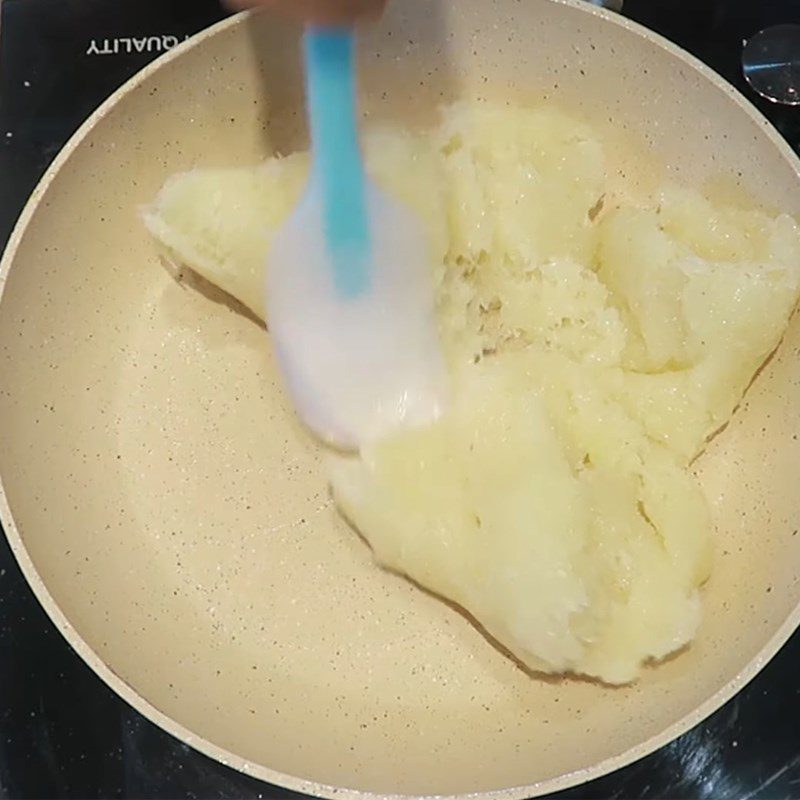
{"type": "Point", "coordinates": [349, 293]}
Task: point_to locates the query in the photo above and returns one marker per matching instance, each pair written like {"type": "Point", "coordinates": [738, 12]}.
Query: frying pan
{"type": "Point", "coordinates": [174, 520]}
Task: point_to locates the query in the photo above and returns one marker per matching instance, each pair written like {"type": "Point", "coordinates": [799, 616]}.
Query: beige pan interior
{"type": "Point", "coordinates": [173, 518]}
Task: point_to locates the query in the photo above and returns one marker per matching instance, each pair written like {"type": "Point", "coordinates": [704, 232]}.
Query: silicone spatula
{"type": "Point", "coordinates": [350, 300]}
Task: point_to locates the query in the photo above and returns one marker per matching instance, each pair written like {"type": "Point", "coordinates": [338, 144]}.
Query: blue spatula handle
{"type": "Point", "coordinates": [338, 170]}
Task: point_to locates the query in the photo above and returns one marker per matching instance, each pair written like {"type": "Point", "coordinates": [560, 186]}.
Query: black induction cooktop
{"type": "Point", "coordinates": [63, 734]}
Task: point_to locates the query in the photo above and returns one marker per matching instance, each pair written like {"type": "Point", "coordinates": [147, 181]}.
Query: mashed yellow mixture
{"type": "Point", "coordinates": [594, 345]}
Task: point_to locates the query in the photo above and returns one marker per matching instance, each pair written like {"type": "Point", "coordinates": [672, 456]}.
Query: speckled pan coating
{"type": "Point", "coordinates": [174, 521]}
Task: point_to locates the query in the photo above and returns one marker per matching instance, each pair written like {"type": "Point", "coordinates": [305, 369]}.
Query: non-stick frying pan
{"type": "Point", "coordinates": [174, 520]}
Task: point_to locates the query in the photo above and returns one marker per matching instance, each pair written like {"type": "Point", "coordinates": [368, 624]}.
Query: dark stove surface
{"type": "Point", "coordinates": [63, 733]}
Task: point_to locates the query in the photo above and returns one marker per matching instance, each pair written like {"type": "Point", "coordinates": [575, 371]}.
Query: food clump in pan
{"type": "Point", "coordinates": [595, 341]}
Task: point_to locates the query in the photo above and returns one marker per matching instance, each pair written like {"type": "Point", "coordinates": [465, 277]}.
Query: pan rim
{"type": "Point", "coordinates": [261, 772]}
